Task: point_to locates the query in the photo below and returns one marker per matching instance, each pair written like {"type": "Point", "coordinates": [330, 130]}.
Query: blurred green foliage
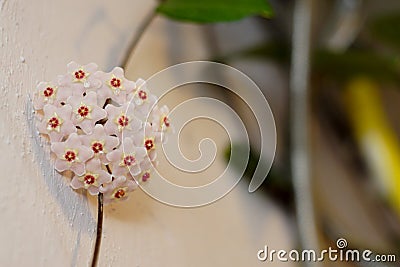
{"type": "Point", "coordinates": [278, 183]}
{"type": "Point", "coordinates": [387, 29]}
{"type": "Point", "coordinates": [211, 11]}
{"type": "Point", "coordinates": [276, 51]}
{"type": "Point", "coordinates": [346, 65]}
{"type": "Point", "coordinates": [339, 66]}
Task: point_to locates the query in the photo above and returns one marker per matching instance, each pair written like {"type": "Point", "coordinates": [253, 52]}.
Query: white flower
{"type": "Point", "coordinates": [71, 155]}
{"type": "Point", "coordinates": [86, 112]}
{"type": "Point", "coordinates": [93, 177]}
{"type": "Point", "coordinates": [118, 189]}
{"type": "Point", "coordinates": [112, 148]}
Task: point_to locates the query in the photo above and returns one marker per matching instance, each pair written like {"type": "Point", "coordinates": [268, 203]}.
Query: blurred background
{"type": "Point", "coordinates": [352, 135]}
{"type": "Point", "coordinates": [330, 72]}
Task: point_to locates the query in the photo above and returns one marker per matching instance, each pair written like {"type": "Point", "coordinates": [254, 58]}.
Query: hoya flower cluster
{"type": "Point", "coordinates": [102, 127]}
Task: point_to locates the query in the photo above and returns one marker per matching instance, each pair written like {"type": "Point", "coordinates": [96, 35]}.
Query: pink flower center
{"type": "Point", "coordinates": [142, 95]}
{"type": "Point", "coordinates": [53, 122]}
{"type": "Point", "coordinates": [148, 144]}
{"type": "Point", "coordinates": [129, 160]}
{"type": "Point", "coordinates": [79, 74]}
{"type": "Point", "coordinates": [123, 121]}
{"type": "Point", "coordinates": [83, 111]}
{"type": "Point", "coordinates": [89, 179]}
{"type": "Point", "coordinates": [120, 193]}
{"type": "Point", "coordinates": [48, 92]}
{"type": "Point", "coordinates": [70, 156]}
{"type": "Point", "coordinates": [115, 82]}
{"type": "Point", "coordinates": [166, 121]}
{"type": "Point", "coordinates": [145, 176]}
{"type": "Point", "coordinates": [97, 147]}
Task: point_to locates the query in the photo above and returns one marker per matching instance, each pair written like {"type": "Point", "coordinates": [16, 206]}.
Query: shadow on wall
{"type": "Point", "coordinates": [74, 206]}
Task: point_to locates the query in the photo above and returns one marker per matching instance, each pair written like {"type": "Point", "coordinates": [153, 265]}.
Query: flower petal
{"type": "Point", "coordinates": [61, 165]}
{"type": "Point", "coordinates": [135, 170]}
{"type": "Point", "coordinates": [76, 183]}
{"type": "Point", "coordinates": [78, 168]}
{"type": "Point", "coordinates": [93, 190]}
{"type": "Point", "coordinates": [58, 148]}
{"type": "Point", "coordinates": [85, 153]}
{"type": "Point", "coordinates": [118, 71]}
{"type": "Point", "coordinates": [114, 156]}
{"type": "Point", "coordinates": [72, 66]}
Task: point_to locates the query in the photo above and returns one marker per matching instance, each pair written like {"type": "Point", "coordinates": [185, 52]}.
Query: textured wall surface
{"type": "Point", "coordinates": [43, 221]}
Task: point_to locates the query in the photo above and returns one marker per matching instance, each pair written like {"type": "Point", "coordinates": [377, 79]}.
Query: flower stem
{"type": "Point", "coordinates": [99, 230]}
{"type": "Point", "coordinates": [141, 30]}
{"type": "Point", "coordinates": [139, 33]}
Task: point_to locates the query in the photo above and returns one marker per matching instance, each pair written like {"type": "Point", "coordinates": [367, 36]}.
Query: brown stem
{"type": "Point", "coordinates": [141, 30]}
{"type": "Point", "coordinates": [99, 230]}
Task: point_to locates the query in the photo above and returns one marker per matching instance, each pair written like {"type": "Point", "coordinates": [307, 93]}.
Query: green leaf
{"type": "Point", "coordinates": [211, 11]}
{"type": "Point", "coordinates": [387, 29]}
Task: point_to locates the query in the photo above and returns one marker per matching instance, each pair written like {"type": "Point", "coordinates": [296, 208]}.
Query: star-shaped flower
{"type": "Point", "coordinates": [46, 94]}
{"type": "Point", "coordinates": [127, 158]}
{"type": "Point", "coordinates": [56, 122]}
{"type": "Point", "coordinates": [147, 171]}
{"type": "Point", "coordinates": [114, 85]}
{"type": "Point", "coordinates": [100, 142]}
{"type": "Point", "coordinates": [160, 120]}
{"type": "Point", "coordinates": [93, 177]}
{"type": "Point", "coordinates": [142, 100]}
{"type": "Point", "coordinates": [71, 155]}
{"type": "Point", "coordinates": [149, 139]}
{"type": "Point", "coordinates": [86, 112]}
{"type": "Point", "coordinates": [118, 189]}
{"type": "Point", "coordinates": [122, 120]}
{"type": "Point", "coordinates": [79, 78]}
